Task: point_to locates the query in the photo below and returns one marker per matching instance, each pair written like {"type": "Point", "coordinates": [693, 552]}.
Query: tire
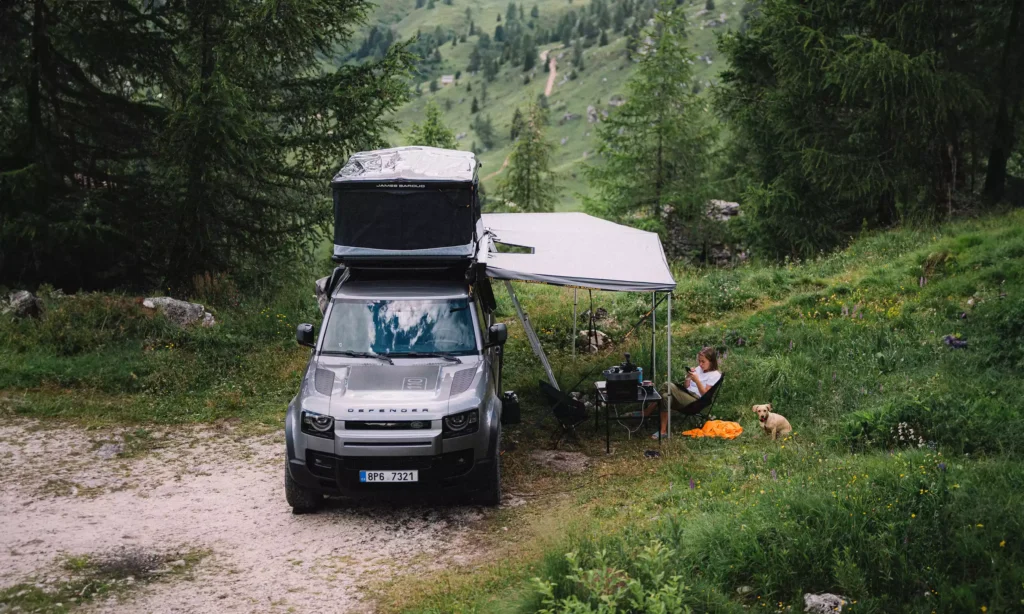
{"type": "Point", "coordinates": [489, 493]}
{"type": "Point", "coordinates": [303, 500]}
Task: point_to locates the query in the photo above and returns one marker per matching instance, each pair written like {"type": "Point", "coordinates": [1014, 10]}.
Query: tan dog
{"type": "Point", "coordinates": [773, 424]}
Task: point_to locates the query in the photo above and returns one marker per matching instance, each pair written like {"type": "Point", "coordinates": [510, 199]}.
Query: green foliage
{"type": "Point", "coordinates": [605, 589]}
{"type": "Point", "coordinates": [529, 185]}
{"type": "Point", "coordinates": [432, 132]}
{"type": "Point", "coordinates": [655, 149]}
{"type": "Point", "coordinates": [848, 113]}
{"type": "Point", "coordinates": [199, 143]}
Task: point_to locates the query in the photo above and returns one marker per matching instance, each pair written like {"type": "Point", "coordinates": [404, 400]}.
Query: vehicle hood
{"type": "Point", "coordinates": [409, 388]}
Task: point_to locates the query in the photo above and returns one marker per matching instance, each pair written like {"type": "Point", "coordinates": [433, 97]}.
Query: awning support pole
{"type": "Point", "coordinates": [575, 302]}
{"type": "Point", "coordinates": [654, 326]}
{"type": "Point", "coordinates": [531, 335]}
{"type": "Point", "coordinates": [668, 359]}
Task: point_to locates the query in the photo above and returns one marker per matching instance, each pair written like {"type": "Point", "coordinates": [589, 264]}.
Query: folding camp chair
{"type": "Point", "coordinates": [701, 408]}
{"type": "Point", "coordinates": [569, 412]}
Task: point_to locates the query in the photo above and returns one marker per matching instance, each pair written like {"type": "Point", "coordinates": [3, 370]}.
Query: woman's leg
{"type": "Point", "coordinates": [681, 397]}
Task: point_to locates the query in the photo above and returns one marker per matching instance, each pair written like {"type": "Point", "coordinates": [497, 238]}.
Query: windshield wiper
{"type": "Point", "coordinates": [444, 355]}
{"type": "Point", "coordinates": [363, 355]}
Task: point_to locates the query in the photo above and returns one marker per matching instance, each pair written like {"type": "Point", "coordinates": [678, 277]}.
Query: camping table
{"type": "Point", "coordinates": [643, 397]}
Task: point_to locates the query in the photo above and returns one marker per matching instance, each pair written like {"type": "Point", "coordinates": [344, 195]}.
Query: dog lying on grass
{"type": "Point", "coordinates": [772, 423]}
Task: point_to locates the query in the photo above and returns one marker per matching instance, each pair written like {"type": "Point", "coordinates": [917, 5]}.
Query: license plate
{"type": "Point", "coordinates": [389, 476]}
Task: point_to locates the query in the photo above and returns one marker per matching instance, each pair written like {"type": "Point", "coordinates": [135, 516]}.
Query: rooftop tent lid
{"type": "Point", "coordinates": [418, 203]}
{"type": "Point", "coordinates": [408, 164]}
{"type": "Point", "coordinates": [575, 249]}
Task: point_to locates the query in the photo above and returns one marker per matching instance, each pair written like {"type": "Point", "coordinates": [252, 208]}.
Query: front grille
{"type": "Point", "coordinates": [386, 463]}
{"type": "Point", "coordinates": [386, 425]}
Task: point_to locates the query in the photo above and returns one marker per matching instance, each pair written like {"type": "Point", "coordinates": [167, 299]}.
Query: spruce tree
{"type": "Point", "coordinates": [528, 183]}
{"type": "Point", "coordinates": [475, 106]}
{"type": "Point", "coordinates": [432, 132]}
{"type": "Point", "coordinates": [655, 148]}
{"type": "Point", "coordinates": [200, 141]}
{"type": "Point", "coordinates": [517, 124]}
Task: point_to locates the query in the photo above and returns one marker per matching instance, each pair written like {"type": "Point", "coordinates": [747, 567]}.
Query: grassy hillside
{"type": "Point", "coordinates": [900, 487]}
{"type": "Point", "coordinates": [605, 75]}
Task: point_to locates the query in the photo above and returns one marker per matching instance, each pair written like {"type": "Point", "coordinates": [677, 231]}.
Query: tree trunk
{"type": "Point", "coordinates": [1002, 141]}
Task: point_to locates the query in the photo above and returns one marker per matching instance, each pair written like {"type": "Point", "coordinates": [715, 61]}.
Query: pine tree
{"type": "Point", "coordinates": [529, 53]}
{"type": "Point", "coordinates": [484, 129]}
{"type": "Point", "coordinates": [198, 142]}
{"type": "Point", "coordinates": [474, 107]}
{"type": "Point", "coordinates": [535, 12]}
{"type": "Point", "coordinates": [604, 38]}
{"type": "Point", "coordinates": [517, 124]}
{"type": "Point", "coordinates": [577, 54]}
{"type": "Point", "coordinates": [430, 4]}
{"type": "Point", "coordinates": [528, 183]}
{"type": "Point", "coordinates": [433, 132]}
{"type": "Point", "coordinates": [433, 86]}
{"type": "Point", "coordinates": [655, 147]}
{"type": "Point", "coordinates": [843, 119]}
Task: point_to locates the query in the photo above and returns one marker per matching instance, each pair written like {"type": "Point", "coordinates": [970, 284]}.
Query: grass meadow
{"type": "Point", "coordinates": [899, 489]}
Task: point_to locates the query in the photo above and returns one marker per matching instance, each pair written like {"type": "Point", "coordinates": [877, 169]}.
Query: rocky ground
{"type": "Point", "coordinates": [69, 492]}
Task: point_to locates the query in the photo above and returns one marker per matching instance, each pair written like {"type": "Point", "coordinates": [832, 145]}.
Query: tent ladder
{"type": "Point", "coordinates": [531, 335]}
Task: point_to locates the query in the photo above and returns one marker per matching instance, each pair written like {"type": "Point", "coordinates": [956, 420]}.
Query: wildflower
{"type": "Point", "coordinates": [692, 485]}
{"type": "Point", "coordinates": [1002, 544]}
{"type": "Point", "coordinates": [980, 526]}
{"type": "Point", "coordinates": [913, 515]}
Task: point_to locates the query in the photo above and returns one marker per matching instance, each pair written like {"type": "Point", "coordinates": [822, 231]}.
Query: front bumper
{"type": "Point", "coordinates": [333, 474]}
{"type": "Point", "coordinates": [332, 466]}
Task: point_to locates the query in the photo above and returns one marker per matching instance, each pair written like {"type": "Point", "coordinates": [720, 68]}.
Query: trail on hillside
{"type": "Point", "coordinates": [553, 72]}
{"type": "Point", "coordinates": [497, 172]}
{"type": "Point", "coordinates": [553, 68]}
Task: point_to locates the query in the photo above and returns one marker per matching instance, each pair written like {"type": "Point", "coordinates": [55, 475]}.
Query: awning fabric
{"type": "Point", "coordinates": [577, 250]}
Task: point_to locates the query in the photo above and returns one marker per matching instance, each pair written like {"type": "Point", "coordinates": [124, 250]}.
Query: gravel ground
{"type": "Point", "coordinates": [71, 491]}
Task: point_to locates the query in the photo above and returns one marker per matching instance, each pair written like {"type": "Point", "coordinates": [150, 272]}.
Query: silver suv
{"type": "Point", "coordinates": [401, 393]}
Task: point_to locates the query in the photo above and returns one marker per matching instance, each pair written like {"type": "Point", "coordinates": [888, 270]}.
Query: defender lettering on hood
{"type": "Point", "coordinates": [353, 410]}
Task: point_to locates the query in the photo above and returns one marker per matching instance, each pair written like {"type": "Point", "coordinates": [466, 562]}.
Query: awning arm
{"type": "Point", "coordinates": [531, 335]}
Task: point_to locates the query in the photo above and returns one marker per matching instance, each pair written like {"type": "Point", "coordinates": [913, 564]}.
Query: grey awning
{"type": "Point", "coordinates": [575, 249]}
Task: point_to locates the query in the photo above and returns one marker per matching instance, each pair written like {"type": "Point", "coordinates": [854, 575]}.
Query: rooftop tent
{"type": "Point", "coordinates": [407, 202]}
{"type": "Point", "coordinates": [575, 249]}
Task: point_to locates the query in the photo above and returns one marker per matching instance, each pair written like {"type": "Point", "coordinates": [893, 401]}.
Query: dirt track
{"type": "Point", "coordinates": [64, 494]}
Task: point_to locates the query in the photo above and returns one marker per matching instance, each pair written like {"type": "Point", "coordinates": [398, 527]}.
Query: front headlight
{"type": "Point", "coordinates": [462, 423]}
{"type": "Point", "coordinates": [317, 425]}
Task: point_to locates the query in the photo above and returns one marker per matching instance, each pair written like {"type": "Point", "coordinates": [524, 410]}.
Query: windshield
{"type": "Point", "coordinates": [400, 326]}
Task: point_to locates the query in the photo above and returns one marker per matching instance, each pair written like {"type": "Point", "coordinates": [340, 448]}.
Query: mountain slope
{"type": "Point", "coordinates": [604, 77]}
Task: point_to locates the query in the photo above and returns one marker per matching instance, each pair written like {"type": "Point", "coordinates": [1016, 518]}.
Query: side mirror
{"type": "Point", "coordinates": [497, 334]}
{"type": "Point", "coordinates": [304, 335]}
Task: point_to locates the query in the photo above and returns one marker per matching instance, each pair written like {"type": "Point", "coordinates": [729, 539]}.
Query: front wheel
{"type": "Point", "coordinates": [490, 488]}
{"type": "Point", "coordinates": [303, 500]}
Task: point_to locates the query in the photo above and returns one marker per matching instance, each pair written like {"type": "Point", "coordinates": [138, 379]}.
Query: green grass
{"type": "Point", "coordinates": [848, 346]}
{"type": "Point", "coordinates": [902, 478]}
{"type": "Point", "coordinates": [605, 75]}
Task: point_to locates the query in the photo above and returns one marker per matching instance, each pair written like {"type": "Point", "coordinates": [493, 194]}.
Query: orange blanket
{"type": "Point", "coordinates": [716, 428]}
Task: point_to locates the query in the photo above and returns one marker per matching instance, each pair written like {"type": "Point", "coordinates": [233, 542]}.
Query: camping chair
{"type": "Point", "coordinates": [701, 408]}
{"type": "Point", "coordinates": [569, 412]}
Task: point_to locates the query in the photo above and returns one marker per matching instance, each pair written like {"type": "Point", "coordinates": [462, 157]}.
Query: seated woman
{"type": "Point", "coordinates": [696, 384]}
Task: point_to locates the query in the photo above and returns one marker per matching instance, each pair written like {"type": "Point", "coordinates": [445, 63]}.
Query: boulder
{"type": "Point", "coordinates": [596, 343]}
{"type": "Point", "coordinates": [24, 304]}
{"type": "Point", "coordinates": [182, 313]}
{"type": "Point", "coordinates": [824, 603]}
{"type": "Point", "coordinates": [592, 115]}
